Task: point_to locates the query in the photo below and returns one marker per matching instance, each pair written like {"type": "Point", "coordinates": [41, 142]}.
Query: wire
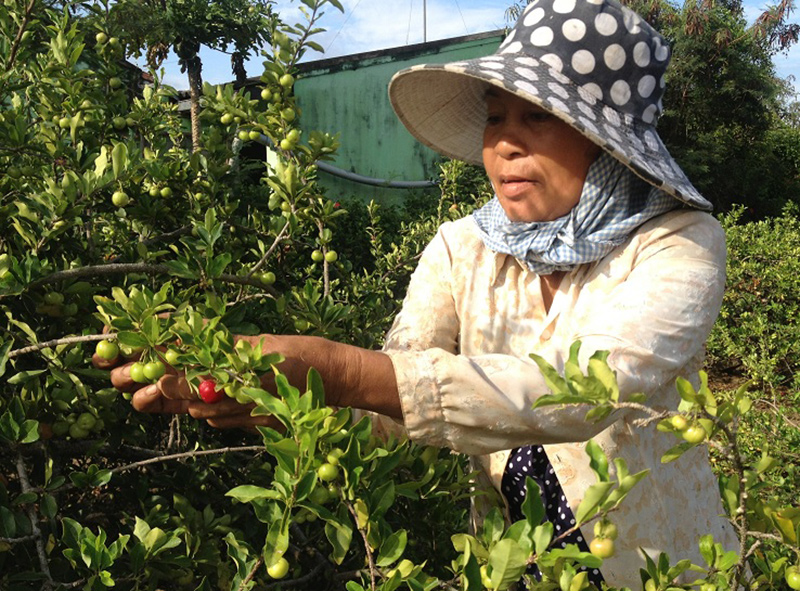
{"type": "Point", "coordinates": [408, 30]}
{"type": "Point", "coordinates": [343, 24]}
{"type": "Point", "coordinates": [466, 30]}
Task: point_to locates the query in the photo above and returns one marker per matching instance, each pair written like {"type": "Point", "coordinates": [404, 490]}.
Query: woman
{"type": "Point", "coordinates": [595, 234]}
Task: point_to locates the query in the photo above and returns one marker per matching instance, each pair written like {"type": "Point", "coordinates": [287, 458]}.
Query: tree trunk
{"type": "Point", "coordinates": [194, 69]}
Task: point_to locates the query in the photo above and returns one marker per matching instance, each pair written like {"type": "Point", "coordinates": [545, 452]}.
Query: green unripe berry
{"type": "Point", "coordinates": [120, 199]}
{"type": "Point", "coordinates": [287, 80]}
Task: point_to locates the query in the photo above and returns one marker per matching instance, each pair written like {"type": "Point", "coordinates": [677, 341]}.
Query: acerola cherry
{"type": "Point", "coordinates": [86, 420]}
{"type": "Point", "coordinates": [53, 298]}
{"type": "Point", "coordinates": [120, 199]}
{"type": "Point", "coordinates": [334, 455]}
{"type": "Point", "coordinates": [317, 256]}
{"type": "Point", "coordinates": [679, 422]}
{"type": "Point", "coordinates": [327, 472]}
{"type": "Point", "coordinates": [209, 393]}
{"type": "Point", "coordinates": [331, 256]}
{"type": "Point", "coordinates": [107, 350]}
{"type": "Point", "coordinates": [137, 372]}
{"type": "Point", "coordinates": [279, 569]}
{"type": "Point", "coordinates": [792, 576]}
{"type": "Point", "coordinates": [602, 547]}
{"type": "Point", "coordinates": [694, 434]}
{"type": "Point", "coordinates": [154, 370]}
{"type": "Point", "coordinates": [171, 357]}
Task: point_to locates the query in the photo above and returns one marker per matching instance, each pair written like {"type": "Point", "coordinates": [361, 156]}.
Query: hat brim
{"type": "Point", "coordinates": [443, 106]}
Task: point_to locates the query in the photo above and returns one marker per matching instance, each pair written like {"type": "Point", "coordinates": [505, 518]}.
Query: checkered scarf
{"type": "Point", "coordinates": [613, 204]}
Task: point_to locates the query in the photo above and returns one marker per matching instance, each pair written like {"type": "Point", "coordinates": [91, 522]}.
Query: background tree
{"type": "Point", "coordinates": [184, 26]}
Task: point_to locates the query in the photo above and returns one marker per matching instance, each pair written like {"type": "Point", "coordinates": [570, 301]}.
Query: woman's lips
{"type": "Point", "coordinates": [515, 186]}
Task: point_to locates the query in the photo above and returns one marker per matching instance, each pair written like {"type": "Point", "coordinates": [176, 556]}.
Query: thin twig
{"type": "Point", "coordinates": [12, 55]}
{"type": "Point", "coordinates": [62, 341]}
{"type": "Point", "coordinates": [37, 533]}
{"type": "Point", "coordinates": [251, 574]}
{"type": "Point", "coordinates": [126, 268]}
{"type": "Point", "coordinates": [18, 540]}
{"type": "Point", "coordinates": [178, 456]}
{"type": "Point", "coordinates": [370, 558]}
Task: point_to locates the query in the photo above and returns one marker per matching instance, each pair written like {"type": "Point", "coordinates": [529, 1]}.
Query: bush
{"type": "Point", "coordinates": [758, 330]}
{"type": "Point", "coordinates": [111, 223]}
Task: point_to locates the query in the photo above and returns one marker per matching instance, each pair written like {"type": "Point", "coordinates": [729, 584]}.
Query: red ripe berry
{"type": "Point", "coordinates": [209, 392]}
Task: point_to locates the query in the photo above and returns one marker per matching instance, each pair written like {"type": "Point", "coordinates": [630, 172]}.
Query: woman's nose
{"type": "Point", "coordinates": [509, 141]}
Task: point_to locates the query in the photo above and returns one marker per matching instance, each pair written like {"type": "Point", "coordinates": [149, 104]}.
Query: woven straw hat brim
{"type": "Point", "coordinates": [443, 106]}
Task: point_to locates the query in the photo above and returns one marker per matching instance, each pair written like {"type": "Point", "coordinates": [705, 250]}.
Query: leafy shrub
{"type": "Point", "coordinates": [758, 330]}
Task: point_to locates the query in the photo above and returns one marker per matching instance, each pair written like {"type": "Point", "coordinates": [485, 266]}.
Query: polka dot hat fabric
{"type": "Point", "coordinates": [595, 64]}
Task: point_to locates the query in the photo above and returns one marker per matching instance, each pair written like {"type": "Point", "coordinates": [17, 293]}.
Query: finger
{"type": "Point", "coordinates": [242, 422]}
{"type": "Point", "coordinates": [101, 363]}
{"type": "Point", "coordinates": [150, 399]}
{"type": "Point", "coordinates": [121, 379]}
{"type": "Point", "coordinates": [227, 407]}
{"type": "Point", "coordinates": [176, 387]}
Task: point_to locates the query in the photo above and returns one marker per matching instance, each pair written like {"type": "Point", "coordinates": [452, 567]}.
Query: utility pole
{"type": "Point", "coordinates": [424, 21]}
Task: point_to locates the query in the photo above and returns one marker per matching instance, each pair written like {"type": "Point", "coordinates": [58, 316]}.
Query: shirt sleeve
{"type": "Point", "coordinates": [653, 321]}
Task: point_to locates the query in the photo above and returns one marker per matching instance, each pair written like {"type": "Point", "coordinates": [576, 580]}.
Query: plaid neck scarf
{"type": "Point", "coordinates": [614, 202]}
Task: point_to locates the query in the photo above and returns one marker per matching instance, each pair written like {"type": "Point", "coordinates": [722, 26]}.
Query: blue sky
{"type": "Point", "coordinates": [368, 25]}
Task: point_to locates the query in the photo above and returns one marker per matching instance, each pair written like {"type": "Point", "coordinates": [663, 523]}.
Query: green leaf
{"type": "Point", "coordinates": [5, 348]}
{"type": "Point", "coordinates": [532, 507]}
{"type": "Point", "coordinates": [597, 460]}
{"type": "Point", "coordinates": [119, 159]}
{"type": "Point", "coordinates": [392, 548]}
{"type": "Point", "coordinates": [686, 390]}
{"type": "Point", "coordinates": [542, 536]}
{"type": "Point", "coordinates": [493, 526]}
{"type": "Point", "coordinates": [594, 497]}
{"type": "Point", "coordinates": [340, 535]}
{"type": "Point", "coordinates": [554, 381]}
{"type": "Point", "coordinates": [249, 492]}
{"type": "Point", "coordinates": [508, 562]}
{"type": "Point", "coordinates": [132, 339]}
{"type": "Point", "coordinates": [675, 452]}
{"type": "Point", "coordinates": [707, 549]}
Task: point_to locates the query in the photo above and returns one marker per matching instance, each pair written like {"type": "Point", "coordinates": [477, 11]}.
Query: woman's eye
{"type": "Point", "coordinates": [493, 119]}
{"type": "Point", "coordinates": [538, 116]}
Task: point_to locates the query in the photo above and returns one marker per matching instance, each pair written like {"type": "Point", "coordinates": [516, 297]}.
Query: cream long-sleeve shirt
{"type": "Point", "coordinates": [460, 349]}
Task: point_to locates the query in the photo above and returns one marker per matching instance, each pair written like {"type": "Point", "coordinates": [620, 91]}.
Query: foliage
{"type": "Point", "coordinates": [758, 329]}
{"type": "Point", "coordinates": [111, 223]}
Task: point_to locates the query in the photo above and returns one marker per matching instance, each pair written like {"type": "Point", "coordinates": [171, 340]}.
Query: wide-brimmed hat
{"type": "Point", "coordinates": [595, 64]}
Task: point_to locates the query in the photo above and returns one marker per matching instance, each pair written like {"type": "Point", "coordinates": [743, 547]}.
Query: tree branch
{"type": "Point", "coordinates": [37, 533]}
{"type": "Point", "coordinates": [370, 558]}
{"type": "Point", "coordinates": [12, 55]}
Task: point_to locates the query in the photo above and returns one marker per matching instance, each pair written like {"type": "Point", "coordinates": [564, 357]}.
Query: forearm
{"type": "Point", "coordinates": [352, 376]}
